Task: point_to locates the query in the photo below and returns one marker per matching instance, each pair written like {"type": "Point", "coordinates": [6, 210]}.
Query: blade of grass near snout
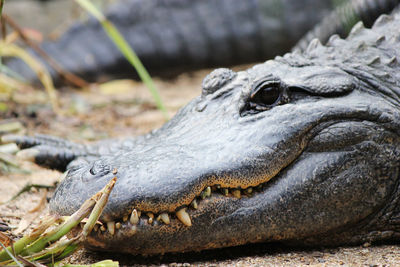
{"type": "Point", "coordinates": [126, 50]}
{"type": "Point", "coordinates": [33, 246]}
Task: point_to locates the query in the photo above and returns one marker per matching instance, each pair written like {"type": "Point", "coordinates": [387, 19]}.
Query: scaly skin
{"type": "Point", "coordinates": [315, 135]}
{"type": "Point", "coordinates": [171, 36]}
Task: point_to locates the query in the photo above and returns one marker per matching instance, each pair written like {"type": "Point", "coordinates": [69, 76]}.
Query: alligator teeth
{"type": "Point", "coordinates": [125, 218]}
{"type": "Point", "coordinates": [96, 227]}
{"type": "Point", "coordinates": [208, 191]}
{"type": "Point", "coordinates": [134, 217]}
{"type": "Point", "coordinates": [184, 217]}
{"type": "Point", "coordinates": [225, 191]}
{"type": "Point", "coordinates": [103, 228]}
{"type": "Point", "coordinates": [111, 227]}
{"type": "Point", "coordinates": [164, 218]}
{"type": "Point", "coordinates": [118, 225]}
{"type": "Point", "coordinates": [194, 204]}
{"type": "Point", "coordinates": [248, 190]}
{"type": "Point", "coordinates": [151, 217]}
{"type": "Point", "coordinates": [236, 193]}
{"type": "Point", "coordinates": [205, 193]}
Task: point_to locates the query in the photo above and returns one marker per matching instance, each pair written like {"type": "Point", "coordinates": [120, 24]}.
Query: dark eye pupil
{"type": "Point", "coordinates": [266, 95]}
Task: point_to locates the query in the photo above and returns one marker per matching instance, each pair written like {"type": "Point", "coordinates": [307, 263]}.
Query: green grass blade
{"type": "Point", "coordinates": [126, 50]}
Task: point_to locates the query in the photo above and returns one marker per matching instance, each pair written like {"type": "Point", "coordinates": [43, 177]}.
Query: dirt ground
{"type": "Point", "coordinates": [95, 114]}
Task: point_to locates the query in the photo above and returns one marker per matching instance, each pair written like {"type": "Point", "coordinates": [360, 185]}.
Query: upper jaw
{"type": "Point", "coordinates": [168, 173]}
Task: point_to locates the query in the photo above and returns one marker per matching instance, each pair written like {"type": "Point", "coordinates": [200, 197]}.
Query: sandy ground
{"type": "Point", "coordinates": [130, 111]}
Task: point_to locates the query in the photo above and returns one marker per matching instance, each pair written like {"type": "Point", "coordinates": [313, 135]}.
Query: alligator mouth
{"type": "Point", "coordinates": [182, 215]}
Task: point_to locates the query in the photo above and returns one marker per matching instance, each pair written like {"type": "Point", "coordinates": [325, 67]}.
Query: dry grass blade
{"type": "Point", "coordinates": [68, 76]}
{"type": "Point", "coordinates": [5, 240]}
{"type": "Point", "coordinates": [11, 50]}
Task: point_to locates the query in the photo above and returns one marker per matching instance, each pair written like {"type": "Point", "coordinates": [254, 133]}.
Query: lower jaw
{"type": "Point", "coordinates": [209, 230]}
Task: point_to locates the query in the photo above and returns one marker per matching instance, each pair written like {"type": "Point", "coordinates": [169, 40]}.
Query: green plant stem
{"type": "Point", "coordinates": [126, 50]}
{"type": "Point", "coordinates": [19, 245]}
{"type": "Point", "coordinates": [11, 255]}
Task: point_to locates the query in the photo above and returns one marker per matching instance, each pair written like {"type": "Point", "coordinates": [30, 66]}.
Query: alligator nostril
{"type": "Point", "coordinates": [99, 168]}
{"type": "Point", "coordinates": [217, 79]}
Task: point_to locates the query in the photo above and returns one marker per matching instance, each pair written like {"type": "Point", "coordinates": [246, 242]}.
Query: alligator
{"type": "Point", "coordinates": [303, 149]}
{"type": "Point", "coordinates": [175, 36]}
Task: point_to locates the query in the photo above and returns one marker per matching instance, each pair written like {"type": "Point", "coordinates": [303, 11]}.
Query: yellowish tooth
{"type": "Point", "coordinates": [249, 190]}
{"type": "Point", "coordinates": [103, 228]}
{"type": "Point", "coordinates": [125, 218]}
{"type": "Point", "coordinates": [111, 227]}
{"type": "Point", "coordinates": [236, 193]}
{"type": "Point", "coordinates": [184, 217]}
{"type": "Point", "coordinates": [118, 225]}
{"type": "Point", "coordinates": [134, 219]}
{"type": "Point", "coordinates": [208, 191]}
{"type": "Point", "coordinates": [151, 217]}
{"type": "Point", "coordinates": [205, 193]}
{"type": "Point", "coordinates": [96, 227]}
{"type": "Point", "coordinates": [225, 191]}
{"type": "Point", "coordinates": [164, 217]}
{"type": "Point", "coordinates": [194, 204]}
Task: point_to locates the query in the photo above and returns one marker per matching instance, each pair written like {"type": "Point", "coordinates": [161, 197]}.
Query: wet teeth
{"type": "Point", "coordinates": [118, 225]}
{"type": "Point", "coordinates": [194, 204]}
{"type": "Point", "coordinates": [236, 193]}
{"type": "Point", "coordinates": [151, 217]}
{"type": "Point", "coordinates": [134, 217]}
{"type": "Point", "coordinates": [184, 217]}
{"type": "Point", "coordinates": [164, 218]}
{"type": "Point", "coordinates": [111, 227]}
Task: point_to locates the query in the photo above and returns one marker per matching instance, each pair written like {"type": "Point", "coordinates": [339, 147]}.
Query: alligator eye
{"type": "Point", "coordinates": [265, 95]}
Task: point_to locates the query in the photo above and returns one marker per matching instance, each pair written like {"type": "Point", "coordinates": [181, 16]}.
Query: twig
{"type": "Point", "coordinates": [68, 76]}
{"type": "Point", "coordinates": [27, 188]}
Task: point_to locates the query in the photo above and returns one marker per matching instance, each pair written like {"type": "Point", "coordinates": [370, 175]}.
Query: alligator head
{"type": "Point", "coordinates": [303, 148]}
